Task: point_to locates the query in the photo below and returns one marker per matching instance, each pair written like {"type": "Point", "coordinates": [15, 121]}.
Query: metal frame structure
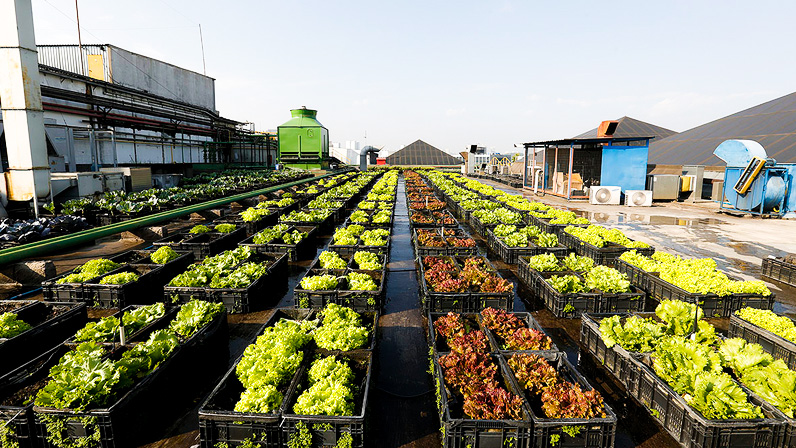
{"type": "Point", "coordinates": [573, 145]}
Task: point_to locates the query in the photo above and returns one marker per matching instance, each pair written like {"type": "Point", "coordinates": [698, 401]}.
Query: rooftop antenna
{"type": "Point", "coordinates": [202, 42]}
{"type": "Point", "coordinates": [80, 41]}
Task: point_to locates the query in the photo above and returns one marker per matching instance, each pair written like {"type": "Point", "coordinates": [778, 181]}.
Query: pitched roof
{"type": "Point", "coordinates": [421, 153]}
{"type": "Point", "coordinates": [772, 124]}
{"type": "Point", "coordinates": [630, 127]}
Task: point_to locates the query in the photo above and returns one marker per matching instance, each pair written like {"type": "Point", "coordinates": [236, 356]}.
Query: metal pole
{"type": "Point", "coordinates": [569, 176]}
{"type": "Point", "coordinates": [80, 41]}
{"type": "Point", "coordinates": [202, 42]}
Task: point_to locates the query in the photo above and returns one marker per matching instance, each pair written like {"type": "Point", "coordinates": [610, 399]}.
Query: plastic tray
{"type": "Point", "coordinates": [601, 255]}
{"type": "Point", "coordinates": [193, 362]}
{"type": "Point", "coordinates": [295, 252]}
{"type": "Point", "coordinates": [495, 341]}
{"type": "Point", "coordinates": [690, 429]}
{"type": "Point", "coordinates": [511, 255]}
{"type": "Point", "coordinates": [46, 332]}
{"type": "Point", "coordinates": [459, 431]}
{"type": "Point", "coordinates": [711, 304]}
{"type": "Point", "coordinates": [780, 270]}
{"type": "Point", "coordinates": [237, 300]}
{"type": "Point", "coordinates": [592, 433]}
{"type": "Point", "coordinates": [778, 346]}
{"type": "Point", "coordinates": [357, 300]}
{"type": "Point", "coordinates": [327, 430]}
{"type": "Point", "coordinates": [18, 417]}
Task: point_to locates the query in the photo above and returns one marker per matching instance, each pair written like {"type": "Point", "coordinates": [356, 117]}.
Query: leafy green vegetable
{"type": "Point", "coordinates": [200, 228]}
{"type": "Point", "coordinates": [243, 276]}
{"type": "Point", "coordinates": [225, 228]}
{"type": "Point", "coordinates": [359, 281]}
{"type": "Point", "coordinates": [89, 270]}
{"type": "Point", "coordinates": [119, 279]}
{"type": "Point", "coordinates": [636, 335]}
{"type": "Point", "coordinates": [678, 361]}
{"type": "Point", "coordinates": [164, 255]}
{"type": "Point", "coordinates": [607, 280]}
{"type": "Point", "coordinates": [577, 263]}
{"type": "Point", "coordinates": [137, 318]}
{"type": "Point", "coordinates": [193, 316]}
{"type": "Point", "coordinates": [367, 261]}
{"type": "Point", "coordinates": [318, 282]}
{"type": "Point", "coordinates": [769, 320]}
{"type": "Point", "coordinates": [566, 284]}
{"type": "Point", "coordinates": [718, 397]}
{"type": "Point", "coordinates": [330, 391]}
{"type": "Point", "coordinates": [544, 262]}
{"type": "Point", "coordinates": [341, 329]}
{"type": "Point", "coordinates": [103, 330]}
{"type": "Point", "coordinates": [81, 379]}
{"type": "Point", "coordinates": [10, 325]}
{"type": "Point", "coordinates": [331, 260]}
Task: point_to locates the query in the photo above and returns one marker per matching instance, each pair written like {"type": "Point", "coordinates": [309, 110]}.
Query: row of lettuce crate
{"type": "Point", "coordinates": [352, 269]}
{"type": "Point", "coordinates": [500, 381]}
{"type": "Point", "coordinates": [720, 411]}
{"type": "Point", "coordinates": [187, 247]}
{"type": "Point", "coordinates": [91, 389]}
{"type": "Point", "coordinates": [292, 393]}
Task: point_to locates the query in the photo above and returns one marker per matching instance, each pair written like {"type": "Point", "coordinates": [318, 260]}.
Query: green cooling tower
{"type": "Point", "coordinates": [303, 141]}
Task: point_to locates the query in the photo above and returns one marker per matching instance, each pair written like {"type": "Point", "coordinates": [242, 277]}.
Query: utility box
{"type": "Point", "coordinates": [113, 181]}
{"type": "Point", "coordinates": [665, 187]}
{"type": "Point", "coordinates": [135, 179]}
{"type": "Point", "coordinates": [303, 141]}
{"type": "Point", "coordinates": [166, 180]}
{"type": "Point", "coordinates": [75, 185]}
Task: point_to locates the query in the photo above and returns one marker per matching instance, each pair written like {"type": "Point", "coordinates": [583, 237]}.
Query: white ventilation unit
{"type": "Point", "coordinates": [605, 195]}
{"type": "Point", "coordinates": [638, 198]}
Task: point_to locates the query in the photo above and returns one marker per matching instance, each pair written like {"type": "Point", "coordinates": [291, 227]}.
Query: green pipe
{"type": "Point", "coordinates": [59, 243]}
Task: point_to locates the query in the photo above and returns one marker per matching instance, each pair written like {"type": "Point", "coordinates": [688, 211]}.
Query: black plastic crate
{"type": "Point", "coordinates": [566, 305]}
{"type": "Point", "coordinates": [511, 255]}
{"type": "Point", "coordinates": [195, 361]}
{"type": "Point", "coordinates": [213, 243]}
{"type": "Point", "coordinates": [51, 323]}
{"type": "Point", "coordinates": [459, 431]}
{"type": "Point", "coordinates": [17, 416]}
{"type": "Point", "coordinates": [621, 363]}
{"type": "Point", "coordinates": [779, 347]}
{"type": "Point", "coordinates": [601, 255]}
{"type": "Point", "coordinates": [357, 300]}
{"type": "Point", "coordinates": [448, 249]}
{"type": "Point", "coordinates": [220, 424]}
{"type": "Point", "coordinates": [326, 430]}
{"type": "Point", "coordinates": [637, 276]}
{"type": "Point", "coordinates": [692, 430]}
{"type": "Point", "coordinates": [142, 291]}
{"type": "Point", "coordinates": [712, 304]}
{"type": "Point", "coordinates": [496, 341]}
{"type": "Point", "coordinates": [480, 227]}
{"type": "Point", "coordinates": [237, 300]}
{"type": "Point", "coordinates": [438, 343]}
{"type": "Point", "coordinates": [464, 302]}
{"type": "Point", "coordinates": [295, 252]}
{"type": "Point", "coordinates": [780, 270]}
{"type": "Point", "coordinates": [549, 432]}
{"type": "Point", "coordinates": [252, 297]}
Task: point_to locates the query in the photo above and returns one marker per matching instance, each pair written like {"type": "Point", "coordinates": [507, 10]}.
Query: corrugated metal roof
{"type": "Point", "coordinates": [772, 124]}
{"type": "Point", "coordinates": [421, 153]}
{"type": "Point", "coordinates": [630, 127]}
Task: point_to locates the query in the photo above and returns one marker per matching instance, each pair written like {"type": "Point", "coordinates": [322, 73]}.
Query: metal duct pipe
{"type": "Point", "coordinates": [20, 95]}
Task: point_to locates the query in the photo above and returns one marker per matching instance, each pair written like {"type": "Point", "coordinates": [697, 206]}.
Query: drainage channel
{"type": "Point", "coordinates": [403, 412]}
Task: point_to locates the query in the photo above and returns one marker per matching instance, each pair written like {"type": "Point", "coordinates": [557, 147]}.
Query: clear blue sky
{"type": "Point", "coordinates": [454, 73]}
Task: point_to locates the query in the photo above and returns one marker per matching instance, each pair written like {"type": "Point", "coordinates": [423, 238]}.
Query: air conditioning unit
{"type": "Point", "coordinates": [638, 198]}
{"type": "Point", "coordinates": [605, 195]}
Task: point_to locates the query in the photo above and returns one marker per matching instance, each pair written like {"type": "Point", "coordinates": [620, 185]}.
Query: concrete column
{"type": "Point", "coordinates": [20, 95]}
